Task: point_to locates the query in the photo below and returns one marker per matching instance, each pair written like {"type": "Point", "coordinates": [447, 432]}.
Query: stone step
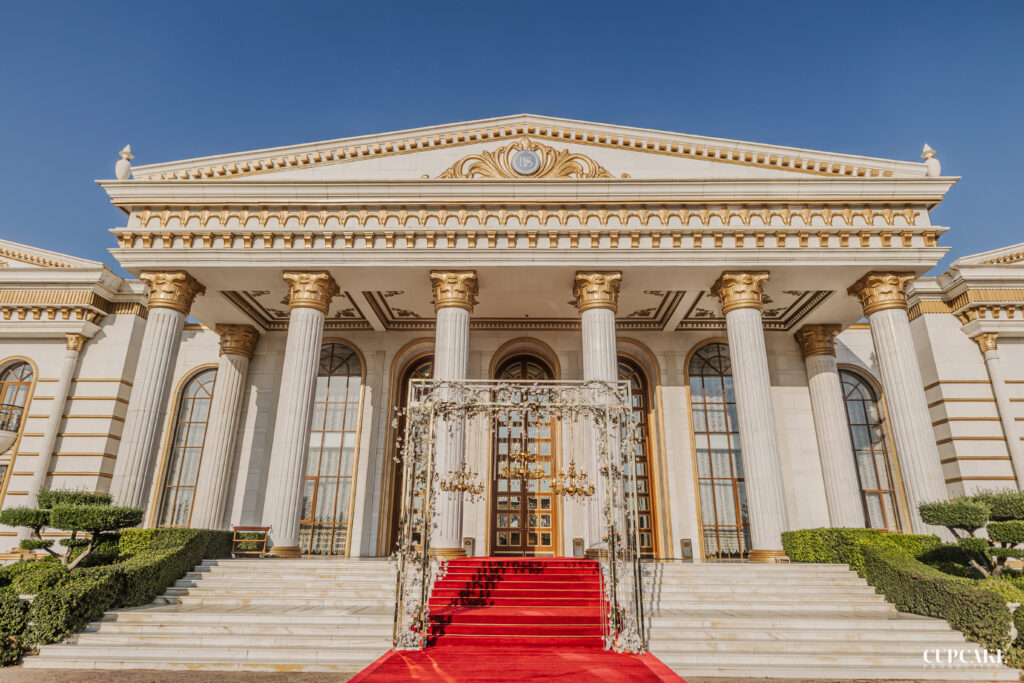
{"type": "Point", "coordinates": [355, 641]}
{"type": "Point", "coordinates": [293, 655]}
{"type": "Point", "coordinates": [138, 629]}
{"type": "Point", "coordinates": [355, 594]}
{"type": "Point", "coordinates": [282, 584]}
{"type": "Point", "coordinates": [864, 632]}
{"type": "Point", "coordinates": [788, 592]}
{"type": "Point", "coordinates": [742, 583]}
{"type": "Point", "coordinates": [280, 601]}
{"type": "Point", "coordinates": [830, 673]}
{"type": "Point", "coordinates": [235, 618]}
{"type": "Point", "coordinates": [832, 648]}
{"type": "Point", "coordinates": [746, 622]}
{"type": "Point", "coordinates": [382, 574]}
{"type": "Point", "coordinates": [780, 607]}
{"type": "Point", "coordinates": [780, 658]}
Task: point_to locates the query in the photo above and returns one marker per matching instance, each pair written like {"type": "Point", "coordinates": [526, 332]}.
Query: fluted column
{"type": "Point", "coordinates": [740, 294]}
{"type": "Point", "coordinates": [831, 429]}
{"type": "Point", "coordinates": [988, 343]}
{"type": "Point", "coordinates": [60, 397]}
{"type": "Point", "coordinates": [884, 298]}
{"type": "Point", "coordinates": [309, 297]}
{"type": "Point", "coordinates": [236, 346]}
{"type": "Point", "coordinates": [597, 298]}
{"type": "Point", "coordinates": [454, 296]}
{"type": "Point", "coordinates": [171, 294]}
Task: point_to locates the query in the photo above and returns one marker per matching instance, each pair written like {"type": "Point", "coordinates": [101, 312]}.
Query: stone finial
{"type": "Point", "coordinates": [454, 289]}
{"type": "Point", "coordinates": [932, 167]}
{"type": "Point", "coordinates": [173, 289]}
{"type": "Point", "coordinates": [313, 289]}
{"type": "Point", "coordinates": [597, 290]}
{"type": "Point", "coordinates": [881, 291]}
{"type": "Point", "coordinates": [817, 340]}
{"type": "Point", "coordinates": [987, 341]}
{"type": "Point", "coordinates": [75, 341]}
{"type": "Point", "coordinates": [123, 168]}
{"type": "Point", "coordinates": [739, 290]}
{"type": "Point", "coordinates": [238, 340]}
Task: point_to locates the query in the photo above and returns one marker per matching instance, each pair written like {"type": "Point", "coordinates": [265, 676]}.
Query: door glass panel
{"type": "Point", "coordinates": [870, 454]}
{"type": "Point", "coordinates": [186, 449]}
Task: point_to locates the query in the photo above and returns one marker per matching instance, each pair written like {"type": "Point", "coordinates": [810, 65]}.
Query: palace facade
{"type": "Point", "coordinates": [790, 365]}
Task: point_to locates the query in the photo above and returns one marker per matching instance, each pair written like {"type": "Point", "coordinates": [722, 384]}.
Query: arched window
{"type": "Point", "coordinates": [421, 368]}
{"type": "Point", "coordinates": [630, 372]}
{"type": "Point", "coordinates": [723, 496]}
{"type": "Point", "coordinates": [190, 420]}
{"type": "Point", "coordinates": [15, 382]}
{"type": "Point", "coordinates": [323, 529]}
{"type": "Point", "coordinates": [867, 433]}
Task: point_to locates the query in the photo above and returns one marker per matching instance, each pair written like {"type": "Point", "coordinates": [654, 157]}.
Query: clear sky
{"type": "Point", "coordinates": [79, 80]}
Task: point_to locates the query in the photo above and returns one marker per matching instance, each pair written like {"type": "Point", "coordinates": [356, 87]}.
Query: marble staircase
{"type": "Point", "coordinates": [791, 621]}
{"type": "Point", "coordinates": [328, 615]}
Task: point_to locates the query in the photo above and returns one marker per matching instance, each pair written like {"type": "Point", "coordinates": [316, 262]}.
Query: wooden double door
{"type": "Point", "coordinates": [524, 513]}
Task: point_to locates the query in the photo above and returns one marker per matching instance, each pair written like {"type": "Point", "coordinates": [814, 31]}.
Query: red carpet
{"type": "Point", "coordinates": [498, 619]}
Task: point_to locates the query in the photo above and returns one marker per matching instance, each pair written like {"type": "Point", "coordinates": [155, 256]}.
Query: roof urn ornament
{"type": "Point", "coordinates": [932, 167]}
{"type": "Point", "coordinates": [123, 168]}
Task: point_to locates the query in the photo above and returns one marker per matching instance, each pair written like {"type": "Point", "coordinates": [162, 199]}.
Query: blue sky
{"type": "Point", "coordinates": [80, 80]}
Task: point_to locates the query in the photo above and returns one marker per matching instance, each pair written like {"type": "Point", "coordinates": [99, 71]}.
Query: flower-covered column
{"type": "Point", "coordinates": [597, 298]}
{"type": "Point", "coordinates": [987, 342]}
{"type": "Point", "coordinates": [740, 294]}
{"type": "Point", "coordinates": [171, 294]}
{"type": "Point", "coordinates": [454, 296]}
{"type": "Point", "coordinates": [884, 298]}
{"type": "Point", "coordinates": [831, 429]}
{"type": "Point", "coordinates": [309, 296]}
{"type": "Point", "coordinates": [236, 346]}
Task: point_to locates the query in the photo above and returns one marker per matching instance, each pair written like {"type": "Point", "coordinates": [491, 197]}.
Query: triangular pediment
{"type": "Point", "coordinates": [545, 149]}
{"type": "Point", "coordinates": [19, 256]}
{"type": "Point", "coordinates": [1011, 255]}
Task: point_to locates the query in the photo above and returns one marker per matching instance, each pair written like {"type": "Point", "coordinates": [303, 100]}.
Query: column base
{"type": "Point", "coordinates": [289, 551]}
{"type": "Point", "coordinates": [768, 556]}
{"type": "Point", "coordinates": [448, 553]}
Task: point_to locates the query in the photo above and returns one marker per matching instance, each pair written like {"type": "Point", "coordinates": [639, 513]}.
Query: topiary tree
{"type": "Point", "coordinates": [77, 512]}
{"type": "Point", "coordinates": [1000, 514]}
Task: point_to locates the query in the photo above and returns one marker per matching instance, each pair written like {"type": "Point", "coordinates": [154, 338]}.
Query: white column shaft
{"type": "Point", "coordinates": [60, 397]}
{"type": "Point", "coordinates": [760, 444]}
{"type": "Point", "coordinates": [451, 360]}
{"type": "Point", "coordinates": [1013, 443]}
{"type": "Point", "coordinates": [290, 447]}
{"type": "Point", "coordinates": [908, 409]}
{"type": "Point", "coordinates": [215, 467]}
{"type": "Point", "coordinates": [842, 487]}
{"type": "Point", "coordinates": [158, 353]}
{"type": "Point", "coordinates": [600, 363]}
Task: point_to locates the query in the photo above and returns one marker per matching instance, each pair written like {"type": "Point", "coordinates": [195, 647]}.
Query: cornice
{"type": "Point", "coordinates": [578, 132]}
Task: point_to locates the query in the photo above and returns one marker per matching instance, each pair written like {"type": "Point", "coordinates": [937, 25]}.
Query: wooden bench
{"type": "Point", "coordinates": [240, 537]}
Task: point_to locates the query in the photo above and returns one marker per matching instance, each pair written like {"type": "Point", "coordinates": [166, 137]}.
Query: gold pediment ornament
{"type": "Point", "coordinates": [542, 162]}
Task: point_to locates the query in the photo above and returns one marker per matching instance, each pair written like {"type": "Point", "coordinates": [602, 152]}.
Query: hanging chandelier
{"type": "Point", "coordinates": [572, 483]}
{"type": "Point", "coordinates": [525, 467]}
{"type": "Point", "coordinates": [463, 481]}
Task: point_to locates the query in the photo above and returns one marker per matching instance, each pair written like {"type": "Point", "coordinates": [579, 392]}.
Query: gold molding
{"type": "Point", "coordinates": [239, 340]}
{"type": "Point", "coordinates": [174, 289]}
{"type": "Point", "coordinates": [454, 289]}
{"type": "Point", "coordinates": [1015, 257]}
{"type": "Point", "coordinates": [691, 150]}
{"type": "Point", "coordinates": [740, 290]}
{"type": "Point", "coordinates": [987, 341]}
{"type": "Point", "coordinates": [817, 340]}
{"type": "Point", "coordinates": [881, 291]}
{"type": "Point", "coordinates": [33, 259]}
{"type": "Point", "coordinates": [553, 164]}
{"type": "Point", "coordinates": [597, 290]}
{"type": "Point", "coordinates": [313, 289]}
{"type": "Point", "coordinates": [75, 342]}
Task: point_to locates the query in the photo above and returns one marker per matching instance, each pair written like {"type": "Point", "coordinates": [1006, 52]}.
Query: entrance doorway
{"type": "Point", "coordinates": [524, 513]}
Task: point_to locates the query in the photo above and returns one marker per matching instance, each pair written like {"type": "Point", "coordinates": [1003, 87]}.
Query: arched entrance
{"type": "Point", "coordinates": [420, 368]}
{"type": "Point", "coordinates": [524, 514]}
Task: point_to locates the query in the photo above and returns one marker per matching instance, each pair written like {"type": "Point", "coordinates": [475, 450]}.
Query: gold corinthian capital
{"type": "Point", "coordinates": [454, 289]}
{"type": "Point", "coordinates": [817, 340]}
{"type": "Point", "coordinates": [881, 291]}
{"type": "Point", "coordinates": [75, 342]}
{"type": "Point", "coordinates": [740, 290]}
{"type": "Point", "coordinates": [174, 289]}
{"type": "Point", "coordinates": [597, 290]}
{"type": "Point", "coordinates": [310, 289]}
{"type": "Point", "coordinates": [237, 340]}
{"type": "Point", "coordinates": [987, 341]}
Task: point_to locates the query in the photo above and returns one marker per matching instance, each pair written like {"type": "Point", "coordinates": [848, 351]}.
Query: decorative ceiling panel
{"type": "Point", "coordinates": [783, 309]}
{"type": "Point", "coordinates": [269, 309]}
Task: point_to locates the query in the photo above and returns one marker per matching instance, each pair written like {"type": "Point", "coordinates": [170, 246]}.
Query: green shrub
{"type": "Point", "coordinates": [66, 609]}
{"type": "Point", "coordinates": [250, 546]}
{"type": "Point", "coordinates": [49, 499]}
{"type": "Point", "coordinates": [93, 518]}
{"type": "Point", "coordinates": [13, 612]}
{"type": "Point", "coordinates": [1007, 589]}
{"type": "Point", "coordinates": [963, 513]}
{"type": "Point", "coordinates": [134, 540]}
{"type": "Point", "coordinates": [1002, 505]}
{"type": "Point", "coordinates": [36, 577]}
{"type": "Point", "coordinates": [22, 516]}
{"type": "Point", "coordinates": [10, 649]}
{"type": "Point", "coordinates": [845, 546]}
{"type": "Point", "coordinates": [913, 586]}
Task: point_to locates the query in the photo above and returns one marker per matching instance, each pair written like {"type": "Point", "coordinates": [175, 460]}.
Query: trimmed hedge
{"type": "Point", "coordinates": [846, 546]}
{"type": "Point", "coordinates": [158, 558]}
{"type": "Point", "coordinates": [913, 586]}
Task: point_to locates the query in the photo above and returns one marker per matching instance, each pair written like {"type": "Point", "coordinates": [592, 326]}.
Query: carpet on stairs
{"type": "Point", "coordinates": [504, 619]}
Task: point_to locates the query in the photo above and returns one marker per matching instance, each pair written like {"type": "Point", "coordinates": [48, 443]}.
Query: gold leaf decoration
{"type": "Point", "coordinates": [553, 164]}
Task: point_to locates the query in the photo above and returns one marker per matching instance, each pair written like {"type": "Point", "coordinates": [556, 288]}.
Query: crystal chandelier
{"type": "Point", "coordinates": [463, 481]}
{"type": "Point", "coordinates": [525, 467]}
{"type": "Point", "coordinates": [572, 483]}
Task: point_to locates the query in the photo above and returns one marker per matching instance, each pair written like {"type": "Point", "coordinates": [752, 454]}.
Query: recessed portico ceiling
{"type": "Point", "coordinates": [622, 150]}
